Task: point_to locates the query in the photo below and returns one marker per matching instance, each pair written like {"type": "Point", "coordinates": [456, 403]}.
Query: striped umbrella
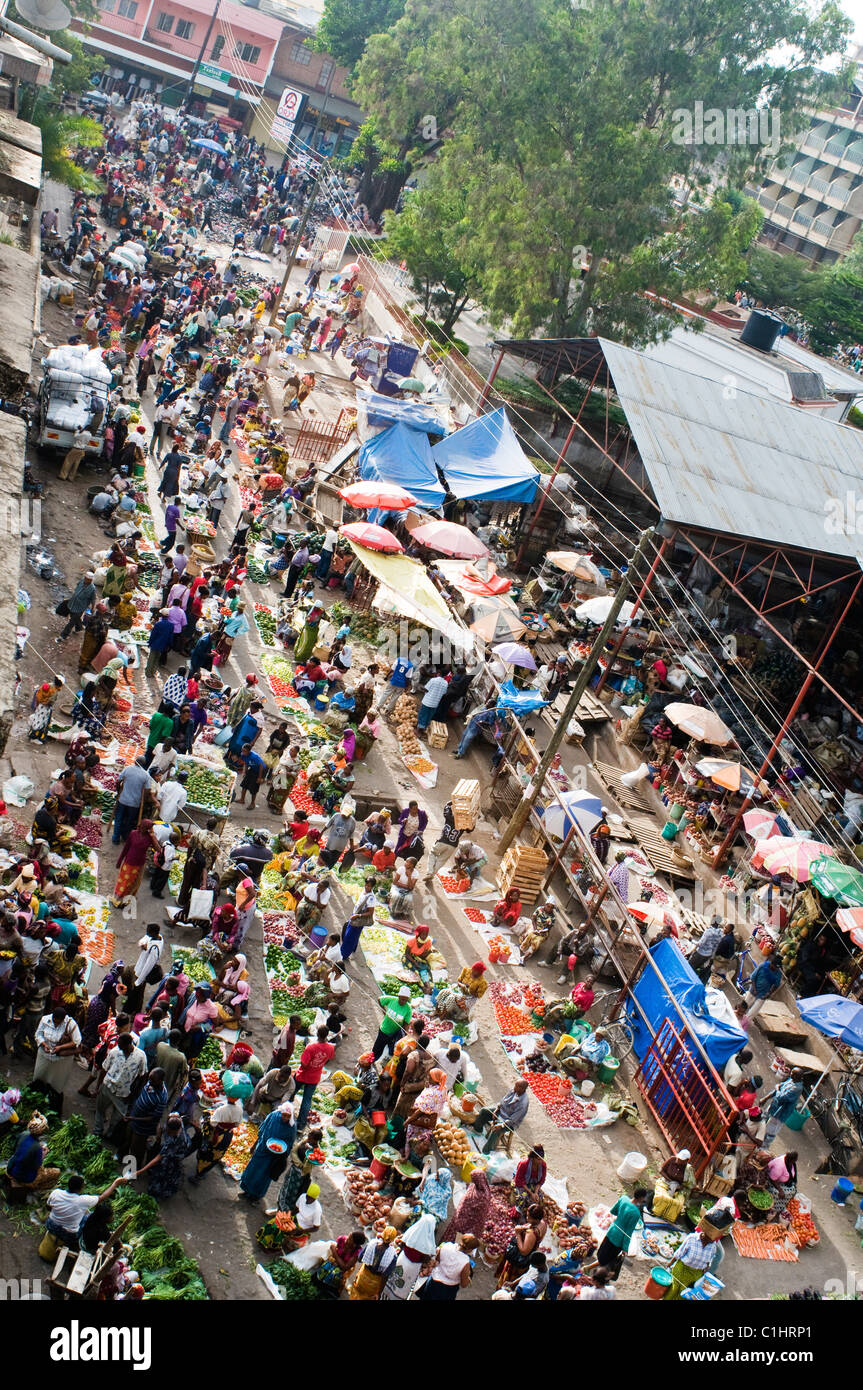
{"type": "Point", "coordinates": [761, 825]}
{"type": "Point", "coordinates": [850, 919]}
{"type": "Point", "coordinates": [731, 775]}
{"type": "Point", "coordinates": [790, 856]}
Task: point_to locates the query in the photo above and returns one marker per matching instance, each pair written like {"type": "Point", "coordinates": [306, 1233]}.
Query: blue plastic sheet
{"type": "Point", "coordinates": [686, 1005]}
{"type": "Point", "coordinates": [519, 701]}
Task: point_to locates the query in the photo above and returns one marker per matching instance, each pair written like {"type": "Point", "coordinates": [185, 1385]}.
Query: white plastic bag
{"type": "Point", "coordinates": [18, 790]}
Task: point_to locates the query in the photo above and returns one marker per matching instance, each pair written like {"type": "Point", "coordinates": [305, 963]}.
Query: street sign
{"type": "Point", "coordinates": [282, 131]}
{"type": "Point", "coordinates": [211, 74]}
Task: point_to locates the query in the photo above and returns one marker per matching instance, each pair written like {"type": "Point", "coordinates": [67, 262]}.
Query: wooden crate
{"type": "Point", "coordinates": [437, 734]}
{"type": "Point", "coordinates": [465, 803]}
{"type": "Point", "coordinates": [523, 867]}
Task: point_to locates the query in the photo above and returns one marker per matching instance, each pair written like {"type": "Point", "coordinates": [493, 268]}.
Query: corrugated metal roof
{"type": "Point", "coordinates": [738, 463]}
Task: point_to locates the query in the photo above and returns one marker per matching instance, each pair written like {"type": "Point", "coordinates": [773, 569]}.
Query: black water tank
{"type": "Point", "coordinates": [761, 330]}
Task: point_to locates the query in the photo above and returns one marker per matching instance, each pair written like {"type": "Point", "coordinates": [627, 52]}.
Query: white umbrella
{"type": "Point", "coordinates": [580, 807]}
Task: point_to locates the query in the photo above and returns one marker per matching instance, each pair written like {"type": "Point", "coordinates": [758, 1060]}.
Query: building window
{"type": "Point", "coordinates": [184, 29]}
{"type": "Point", "coordinates": [218, 45]}
{"type": "Point", "coordinates": [247, 53]}
{"type": "Point", "coordinates": [165, 23]}
{"type": "Point", "coordinates": [325, 73]}
{"type": "Point", "coordinates": [128, 8]}
{"type": "Point", "coordinates": [300, 54]}
{"type": "Point", "coordinates": [107, 6]}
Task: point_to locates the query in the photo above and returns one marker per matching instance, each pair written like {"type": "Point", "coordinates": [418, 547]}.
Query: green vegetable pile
{"type": "Point", "coordinates": [391, 984]}
{"type": "Point", "coordinates": [197, 969]}
{"type": "Point", "coordinates": [280, 960]}
{"type": "Point", "coordinates": [255, 570]}
{"type": "Point", "coordinates": [266, 624]}
{"type": "Point", "coordinates": [81, 876]}
{"type": "Point", "coordinates": [207, 787]}
{"type": "Point", "coordinates": [210, 1057]}
{"type": "Point", "coordinates": [296, 1285]}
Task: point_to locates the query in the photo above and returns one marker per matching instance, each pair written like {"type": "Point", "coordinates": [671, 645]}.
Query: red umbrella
{"type": "Point", "coordinates": [372, 537]}
{"type": "Point", "coordinates": [389, 496]}
{"type": "Point", "coordinates": [449, 538]}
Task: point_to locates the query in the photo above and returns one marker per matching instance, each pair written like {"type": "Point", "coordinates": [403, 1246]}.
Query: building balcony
{"type": "Point", "coordinates": [191, 49]}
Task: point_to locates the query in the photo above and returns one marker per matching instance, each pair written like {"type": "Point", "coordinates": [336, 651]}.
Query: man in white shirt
{"type": "Point", "coordinates": [73, 458]}
{"type": "Point", "coordinates": [69, 1206]}
{"type": "Point", "coordinates": [173, 797]}
{"type": "Point", "coordinates": [123, 1065]}
{"type": "Point", "coordinates": [164, 758]}
{"type": "Point", "coordinates": [434, 693]}
{"type": "Point", "coordinates": [327, 550]}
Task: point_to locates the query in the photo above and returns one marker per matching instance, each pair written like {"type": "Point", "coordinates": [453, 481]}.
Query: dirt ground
{"type": "Point", "coordinates": [216, 1227]}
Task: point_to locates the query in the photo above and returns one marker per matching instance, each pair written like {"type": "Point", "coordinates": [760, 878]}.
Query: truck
{"type": "Point", "coordinates": [72, 396]}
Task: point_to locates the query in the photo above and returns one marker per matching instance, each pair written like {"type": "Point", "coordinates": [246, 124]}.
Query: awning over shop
{"type": "Point", "coordinates": [689, 1004]}
{"type": "Point", "coordinates": [485, 460]}
{"type": "Point", "coordinates": [406, 589]}
{"type": "Point", "coordinates": [384, 410]}
{"type": "Point", "coordinates": [402, 455]}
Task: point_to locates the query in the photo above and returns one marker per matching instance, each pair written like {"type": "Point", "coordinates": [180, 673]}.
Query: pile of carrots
{"type": "Point", "coordinates": [767, 1242]}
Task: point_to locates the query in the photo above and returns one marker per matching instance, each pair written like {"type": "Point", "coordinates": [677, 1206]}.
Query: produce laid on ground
{"type": "Point", "coordinates": [453, 1144]}
{"type": "Point", "coordinates": [89, 831]}
{"type": "Point", "coordinates": [295, 1285]}
{"type": "Point", "coordinates": [405, 713]}
{"type": "Point", "coordinates": [209, 787]}
{"type": "Point", "coordinates": [368, 1202]}
{"type": "Point", "coordinates": [239, 1152]}
{"type": "Point", "coordinates": [266, 623]}
{"type": "Point", "coordinates": [162, 1264]}
{"type": "Point", "coordinates": [197, 969]}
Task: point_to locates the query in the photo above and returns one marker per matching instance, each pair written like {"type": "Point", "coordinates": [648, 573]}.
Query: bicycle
{"type": "Point", "coordinates": [619, 1029]}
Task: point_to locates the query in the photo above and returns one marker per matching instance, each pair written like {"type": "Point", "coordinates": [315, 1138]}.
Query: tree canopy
{"type": "Point", "coordinates": [425, 235]}
{"type": "Point", "coordinates": [346, 25]}
{"type": "Point", "coordinates": [558, 127]}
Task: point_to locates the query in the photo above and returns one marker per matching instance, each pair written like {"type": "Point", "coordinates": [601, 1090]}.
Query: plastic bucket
{"type": "Point", "coordinates": [587, 1088]}
{"type": "Point", "coordinates": [379, 1170]}
{"type": "Point", "coordinates": [670, 830]}
{"type": "Point", "coordinates": [608, 1069]}
{"type": "Point", "coordinates": [842, 1189]}
{"type": "Point", "coordinates": [566, 1040]}
{"type": "Point", "coordinates": [632, 1167]}
{"type": "Point", "coordinates": [322, 702]}
{"type": "Point", "coordinates": [797, 1119]}
{"type": "Point", "coordinates": [658, 1282]}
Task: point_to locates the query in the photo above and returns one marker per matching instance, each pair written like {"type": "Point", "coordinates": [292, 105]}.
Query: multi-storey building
{"type": "Point", "coordinates": [813, 198]}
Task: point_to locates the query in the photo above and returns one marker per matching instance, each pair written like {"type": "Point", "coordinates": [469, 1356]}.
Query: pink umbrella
{"type": "Point", "coordinates": [449, 538]}
{"type": "Point", "coordinates": [372, 537]}
{"type": "Point", "coordinates": [388, 496]}
{"type": "Point", "coordinates": [515, 655]}
{"type": "Point", "coordinates": [786, 855]}
{"type": "Point", "coordinates": [850, 919]}
{"type": "Point", "coordinates": [761, 825]}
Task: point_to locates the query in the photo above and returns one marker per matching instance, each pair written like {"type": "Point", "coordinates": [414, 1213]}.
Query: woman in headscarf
{"type": "Point", "coordinates": [167, 1176]}
{"type": "Point", "coordinates": [67, 966]}
{"type": "Point", "coordinates": [99, 1010]}
{"type": "Point", "coordinates": [341, 1258]}
{"type": "Point", "coordinates": [377, 1260]}
{"type": "Point", "coordinates": [530, 1175]}
{"type": "Point", "coordinates": [25, 1169]}
{"type": "Point", "coordinates": [435, 1193]}
{"type": "Point", "coordinates": [417, 952]}
{"type": "Point", "coordinates": [217, 1130]}
{"type": "Point", "coordinates": [423, 1118]}
{"type": "Point", "coordinates": [402, 891]}
{"type": "Point", "coordinates": [232, 991]}
{"type": "Point", "coordinates": [89, 711]}
{"type": "Point", "coordinates": [241, 701]}
{"type": "Point", "coordinates": [412, 823]}
{"type": "Point", "coordinates": [307, 1156]}
{"type": "Point", "coordinates": [95, 632]}
{"type": "Point", "coordinates": [308, 638]}
{"type": "Point", "coordinates": [245, 901]}
{"type": "Point", "coordinates": [131, 861]}
{"type": "Point", "coordinates": [472, 1212]}
{"type": "Point", "coordinates": [42, 705]}
{"type": "Point", "coordinates": [277, 1135]}
{"type": "Point", "coordinates": [418, 1247]}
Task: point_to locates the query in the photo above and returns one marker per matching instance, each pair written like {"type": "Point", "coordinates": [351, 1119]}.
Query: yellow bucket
{"type": "Point", "coordinates": [467, 1168]}
{"type": "Point", "coordinates": [567, 1040]}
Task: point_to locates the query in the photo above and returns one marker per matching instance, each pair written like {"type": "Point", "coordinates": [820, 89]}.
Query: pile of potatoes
{"type": "Point", "coordinates": [453, 1144]}
{"type": "Point", "coordinates": [406, 710]}
{"type": "Point", "coordinates": [369, 1204]}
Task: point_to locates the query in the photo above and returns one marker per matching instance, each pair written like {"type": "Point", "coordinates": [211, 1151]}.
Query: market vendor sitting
{"type": "Point", "coordinates": [457, 1001]}
{"type": "Point", "coordinates": [538, 929]}
{"type": "Point", "coordinates": [469, 861]}
{"type": "Point", "coordinates": [375, 831]}
{"type": "Point", "coordinates": [26, 1171]}
{"type": "Point", "coordinates": [582, 997]}
{"type": "Point", "coordinates": [310, 678]}
{"type": "Point", "coordinates": [417, 953]}
{"type": "Point", "coordinates": [507, 910]}
{"type": "Point", "coordinates": [586, 1059]}
{"type": "Point", "coordinates": [677, 1171]}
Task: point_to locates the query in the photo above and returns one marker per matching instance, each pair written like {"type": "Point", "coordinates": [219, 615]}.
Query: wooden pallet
{"type": "Point", "coordinates": [465, 799]}
{"type": "Point", "coordinates": [632, 797]}
{"type": "Point", "coordinates": [591, 710]}
{"type": "Point", "coordinates": [659, 852]}
{"type": "Point", "coordinates": [523, 867]}
{"type": "Point", "coordinates": [438, 734]}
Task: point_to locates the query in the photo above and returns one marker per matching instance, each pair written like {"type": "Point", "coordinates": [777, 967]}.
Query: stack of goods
{"type": "Point", "coordinates": [453, 1144]}
{"type": "Point", "coordinates": [405, 712]}
{"type": "Point", "coordinates": [209, 787]}
{"type": "Point", "coordinates": [369, 1204]}
{"type": "Point", "coordinates": [465, 803]}
{"type": "Point", "coordinates": [523, 867]}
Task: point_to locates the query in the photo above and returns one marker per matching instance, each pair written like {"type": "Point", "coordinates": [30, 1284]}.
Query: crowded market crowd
{"type": "Point", "coordinates": [161, 741]}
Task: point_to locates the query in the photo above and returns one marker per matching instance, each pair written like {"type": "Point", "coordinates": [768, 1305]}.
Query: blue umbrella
{"type": "Point", "coordinates": [579, 808]}
{"type": "Point", "coordinates": [835, 1016]}
{"type": "Point", "coordinates": [209, 145]}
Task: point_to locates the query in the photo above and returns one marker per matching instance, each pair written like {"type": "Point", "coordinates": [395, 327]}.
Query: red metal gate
{"type": "Point", "coordinates": [318, 440]}
{"type": "Point", "coordinates": [685, 1095]}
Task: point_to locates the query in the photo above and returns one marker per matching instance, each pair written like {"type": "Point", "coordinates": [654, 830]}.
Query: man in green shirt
{"type": "Point", "coordinates": [161, 726]}
{"type": "Point", "coordinates": [397, 1016]}
{"type": "Point", "coordinates": [627, 1216]}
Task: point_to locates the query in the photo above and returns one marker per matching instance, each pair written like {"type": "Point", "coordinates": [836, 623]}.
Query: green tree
{"type": "Point", "coordinates": [836, 311]}
{"type": "Point", "coordinates": [559, 123]}
{"type": "Point", "coordinates": [425, 235]}
{"type": "Point", "coordinates": [780, 281]}
{"type": "Point", "coordinates": [63, 132]}
{"type": "Point", "coordinates": [346, 25]}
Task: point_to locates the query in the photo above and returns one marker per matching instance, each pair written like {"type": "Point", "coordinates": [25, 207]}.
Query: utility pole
{"type": "Point", "coordinates": [200, 58]}
{"type": "Point", "coordinates": [534, 787]}
{"type": "Point", "coordinates": [313, 193]}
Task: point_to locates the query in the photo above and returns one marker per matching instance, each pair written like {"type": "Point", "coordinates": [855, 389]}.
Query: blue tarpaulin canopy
{"type": "Point", "coordinates": [402, 455]}
{"type": "Point", "coordinates": [485, 460]}
{"type": "Point", "coordinates": [383, 410]}
{"type": "Point", "coordinates": [520, 701]}
{"type": "Point", "coordinates": [687, 1006]}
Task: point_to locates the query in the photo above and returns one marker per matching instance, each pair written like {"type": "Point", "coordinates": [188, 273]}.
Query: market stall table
{"type": "Point", "coordinates": [631, 797]}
